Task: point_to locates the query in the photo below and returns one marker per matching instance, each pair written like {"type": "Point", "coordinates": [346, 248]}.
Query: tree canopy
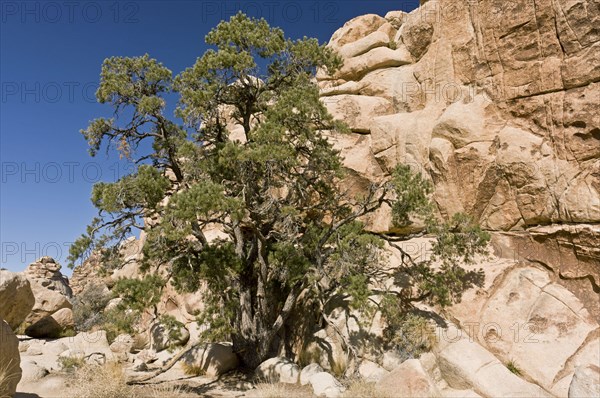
{"type": "Point", "coordinates": [250, 158]}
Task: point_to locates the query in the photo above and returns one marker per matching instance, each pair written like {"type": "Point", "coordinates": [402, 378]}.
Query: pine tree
{"type": "Point", "coordinates": [294, 238]}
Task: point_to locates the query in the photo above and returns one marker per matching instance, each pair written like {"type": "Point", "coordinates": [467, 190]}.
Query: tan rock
{"type": "Point", "coordinates": [407, 380]}
{"type": "Point", "coordinates": [215, 359]}
{"type": "Point", "coordinates": [47, 302]}
{"type": "Point", "coordinates": [16, 297]}
{"type": "Point", "coordinates": [537, 324]}
{"type": "Point", "coordinates": [326, 385]}
{"type": "Point", "coordinates": [357, 111]}
{"type": "Point", "coordinates": [278, 370]}
{"type": "Point", "coordinates": [586, 382]}
{"type": "Point", "coordinates": [53, 325]}
{"type": "Point", "coordinates": [467, 365]}
{"type": "Point", "coordinates": [356, 29]}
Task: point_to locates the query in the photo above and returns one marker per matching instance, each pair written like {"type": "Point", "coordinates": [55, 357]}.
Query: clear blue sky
{"type": "Point", "coordinates": [50, 57]}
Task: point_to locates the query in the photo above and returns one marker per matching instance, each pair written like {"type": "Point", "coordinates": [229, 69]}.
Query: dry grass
{"type": "Point", "coordinates": [6, 377]}
{"type": "Point", "coordinates": [362, 389]}
{"type": "Point", "coordinates": [192, 369]}
{"type": "Point", "coordinates": [160, 391]}
{"type": "Point", "coordinates": [93, 381]}
{"type": "Point", "coordinates": [280, 390]}
{"type": "Point", "coordinates": [109, 381]}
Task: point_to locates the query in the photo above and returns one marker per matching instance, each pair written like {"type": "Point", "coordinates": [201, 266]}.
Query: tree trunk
{"type": "Point", "coordinates": [251, 351]}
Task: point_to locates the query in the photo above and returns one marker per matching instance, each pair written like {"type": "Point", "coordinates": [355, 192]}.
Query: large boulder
{"type": "Point", "coordinates": [16, 297]}
{"type": "Point", "coordinates": [278, 370]}
{"type": "Point", "coordinates": [308, 371]}
{"type": "Point", "coordinates": [214, 359]}
{"type": "Point", "coordinates": [10, 360]}
{"type": "Point", "coordinates": [52, 326]}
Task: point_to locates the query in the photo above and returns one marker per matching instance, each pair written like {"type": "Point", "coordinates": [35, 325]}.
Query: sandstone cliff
{"type": "Point", "coordinates": [496, 103]}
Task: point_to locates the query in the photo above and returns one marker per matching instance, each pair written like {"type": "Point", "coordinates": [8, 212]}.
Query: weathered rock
{"type": "Point", "coordinates": [357, 110]}
{"type": "Point", "coordinates": [586, 382]}
{"type": "Point", "coordinates": [278, 370]}
{"type": "Point", "coordinates": [46, 271]}
{"type": "Point", "coordinates": [52, 326]}
{"type": "Point", "coordinates": [507, 132]}
{"type": "Point", "coordinates": [123, 344]}
{"type": "Point", "coordinates": [10, 360]}
{"type": "Point", "coordinates": [308, 371]}
{"type": "Point", "coordinates": [391, 360]}
{"type": "Point", "coordinates": [407, 380]}
{"type": "Point", "coordinates": [371, 372]}
{"type": "Point", "coordinates": [16, 298]}
{"type": "Point", "coordinates": [467, 365]}
{"type": "Point", "coordinates": [50, 289]}
{"type": "Point", "coordinates": [161, 337]}
{"type": "Point", "coordinates": [326, 385]}
{"type": "Point", "coordinates": [32, 372]}
{"type": "Point", "coordinates": [526, 315]}
{"type": "Point", "coordinates": [214, 359]}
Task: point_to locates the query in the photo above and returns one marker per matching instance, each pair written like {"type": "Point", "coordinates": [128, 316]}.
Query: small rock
{"type": "Point", "coordinates": [371, 372]}
{"type": "Point", "coordinates": [214, 359]}
{"type": "Point", "coordinates": [391, 360]}
{"type": "Point", "coordinates": [278, 369]}
{"type": "Point", "coordinates": [308, 371]}
{"type": "Point", "coordinates": [122, 344]}
{"type": "Point", "coordinates": [325, 384]}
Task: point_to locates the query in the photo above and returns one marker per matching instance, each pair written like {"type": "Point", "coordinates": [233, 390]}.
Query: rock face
{"type": "Point", "coordinates": [523, 316]}
{"type": "Point", "coordinates": [495, 102]}
{"type": "Point", "coordinates": [10, 360]}
{"type": "Point", "coordinates": [16, 298]}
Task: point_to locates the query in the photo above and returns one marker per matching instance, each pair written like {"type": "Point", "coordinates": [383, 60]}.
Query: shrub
{"type": "Point", "coordinates": [117, 321]}
{"type": "Point", "coordinates": [89, 305]}
{"type": "Point", "coordinates": [71, 364]}
{"type": "Point", "coordinates": [512, 366]}
{"type": "Point", "coordinates": [408, 333]}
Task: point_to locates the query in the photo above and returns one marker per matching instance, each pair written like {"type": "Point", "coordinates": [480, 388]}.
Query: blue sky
{"type": "Point", "coordinates": [50, 57]}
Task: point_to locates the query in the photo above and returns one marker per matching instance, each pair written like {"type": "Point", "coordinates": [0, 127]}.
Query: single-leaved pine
{"type": "Point", "coordinates": [247, 154]}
